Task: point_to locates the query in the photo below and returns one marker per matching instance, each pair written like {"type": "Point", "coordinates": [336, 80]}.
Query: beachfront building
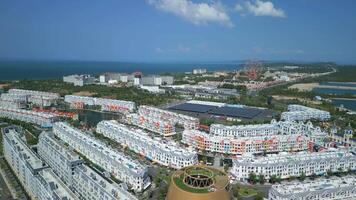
{"type": "Point", "coordinates": [38, 98]}
{"type": "Point", "coordinates": [303, 113]}
{"type": "Point", "coordinates": [186, 121]}
{"type": "Point", "coordinates": [162, 127]}
{"type": "Point", "coordinates": [322, 188]}
{"type": "Point", "coordinates": [81, 179]}
{"type": "Point", "coordinates": [244, 145]}
{"type": "Point", "coordinates": [45, 120]}
{"type": "Point", "coordinates": [13, 101]}
{"type": "Point", "coordinates": [120, 166]}
{"type": "Point", "coordinates": [37, 179]}
{"type": "Point", "coordinates": [167, 153]}
{"type": "Point", "coordinates": [111, 105]}
{"type": "Point", "coordinates": [79, 80]}
{"type": "Point", "coordinates": [285, 165]}
{"type": "Point", "coordinates": [345, 137]}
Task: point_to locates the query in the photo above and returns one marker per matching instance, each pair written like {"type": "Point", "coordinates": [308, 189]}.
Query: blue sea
{"type": "Point", "coordinates": [349, 104]}
{"type": "Point", "coordinates": [336, 91]}
{"type": "Point", "coordinates": [30, 70]}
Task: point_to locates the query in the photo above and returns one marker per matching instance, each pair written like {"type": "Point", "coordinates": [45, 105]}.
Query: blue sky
{"type": "Point", "coordinates": [178, 30]}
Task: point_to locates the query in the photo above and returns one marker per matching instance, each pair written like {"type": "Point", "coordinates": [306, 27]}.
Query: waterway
{"type": "Point", "coordinates": [92, 118]}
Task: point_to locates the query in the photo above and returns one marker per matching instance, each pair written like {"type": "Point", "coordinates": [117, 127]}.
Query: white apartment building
{"type": "Point", "coordinates": [111, 105]}
{"type": "Point", "coordinates": [166, 153]}
{"type": "Point", "coordinates": [58, 156]}
{"type": "Point", "coordinates": [335, 188]}
{"type": "Point", "coordinates": [285, 165]}
{"type": "Point", "coordinates": [199, 71]}
{"type": "Point", "coordinates": [244, 130]}
{"type": "Point", "coordinates": [37, 97]}
{"type": "Point", "coordinates": [13, 101]}
{"type": "Point", "coordinates": [175, 118]}
{"type": "Point", "coordinates": [36, 178]}
{"type": "Point", "coordinates": [81, 179]}
{"type": "Point", "coordinates": [89, 184]}
{"type": "Point", "coordinates": [45, 120]}
{"type": "Point", "coordinates": [303, 113]}
{"type": "Point", "coordinates": [244, 145]}
{"type": "Point", "coordinates": [315, 134]}
{"type": "Point", "coordinates": [162, 127]}
{"type": "Point", "coordinates": [120, 166]}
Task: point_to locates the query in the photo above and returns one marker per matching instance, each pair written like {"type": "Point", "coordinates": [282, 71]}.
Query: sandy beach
{"type": "Point", "coordinates": [305, 86]}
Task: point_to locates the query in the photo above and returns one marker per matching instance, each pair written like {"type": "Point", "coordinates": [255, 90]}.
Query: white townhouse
{"type": "Point", "coordinates": [58, 156]}
{"type": "Point", "coordinates": [13, 101]}
{"type": "Point", "coordinates": [35, 176]}
{"type": "Point", "coordinates": [342, 188]}
{"type": "Point", "coordinates": [39, 98]}
{"type": "Point", "coordinates": [120, 166]}
{"type": "Point", "coordinates": [287, 165]}
{"type": "Point", "coordinates": [303, 113]}
{"type": "Point", "coordinates": [187, 122]}
{"type": "Point", "coordinates": [45, 120]}
{"type": "Point", "coordinates": [111, 105]}
{"type": "Point", "coordinates": [242, 145]}
{"type": "Point", "coordinates": [167, 153]}
{"type": "Point", "coordinates": [244, 130]}
{"type": "Point", "coordinates": [80, 178]}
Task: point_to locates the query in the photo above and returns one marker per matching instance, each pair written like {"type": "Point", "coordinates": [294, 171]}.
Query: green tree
{"type": "Point", "coordinates": [252, 178]}
{"type": "Point", "coordinates": [302, 176]}
{"type": "Point", "coordinates": [261, 179]}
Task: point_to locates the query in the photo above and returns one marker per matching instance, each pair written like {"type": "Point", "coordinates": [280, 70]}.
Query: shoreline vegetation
{"type": "Point", "coordinates": [310, 86]}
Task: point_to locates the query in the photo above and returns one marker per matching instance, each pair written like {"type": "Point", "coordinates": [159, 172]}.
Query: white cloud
{"type": "Point", "coordinates": [197, 13]}
{"type": "Point", "coordinates": [260, 8]}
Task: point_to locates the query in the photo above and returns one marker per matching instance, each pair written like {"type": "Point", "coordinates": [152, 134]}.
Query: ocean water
{"type": "Point", "coordinates": [30, 70]}
{"type": "Point", "coordinates": [349, 104]}
{"type": "Point", "coordinates": [333, 91]}
{"type": "Point", "coordinates": [346, 84]}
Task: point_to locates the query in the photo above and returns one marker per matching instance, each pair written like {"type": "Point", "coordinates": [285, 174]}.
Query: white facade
{"type": "Point", "coordinates": [88, 184]}
{"type": "Point", "coordinates": [285, 165]}
{"type": "Point", "coordinates": [199, 71]}
{"type": "Point", "coordinates": [13, 101]}
{"type": "Point", "coordinates": [111, 105]}
{"type": "Point", "coordinates": [58, 157]}
{"type": "Point", "coordinates": [303, 113]}
{"type": "Point", "coordinates": [119, 165]}
{"type": "Point", "coordinates": [79, 80]}
{"type": "Point", "coordinates": [186, 121]}
{"type": "Point", "coordinates": [81, 179]}
{"type": "Point", "coordinates": [37, 97]}
{"type": "Point", "coordinates": [244, 130]}
{"type": "Point", "coordinates": [244, 145]}
{"type": "Point", "coordinates": [315, 133]}
{"type": "Point", "coordinates": [37, 179]}
{"type": "Point", "coordinates": [43, 119]}
{"type": "Point", "coordinates": [166, 153]}
{"type": "Point", "coordinates": [335, 188]}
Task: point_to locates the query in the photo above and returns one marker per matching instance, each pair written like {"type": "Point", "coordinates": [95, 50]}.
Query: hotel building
{"type": "Point", "coordinates": [81, 179]}
{"type": "Point", "coordinates": [303, 113]}
{"type": "Point", "coordinates": [45, 120]}
{"type": "Point", "coordinates": [244, 145]}
{"type": "Point", "coordinates": [285, 165]}
{"type": "Point", "coordinates": [323, 189]}
{"type": "Point", "coordinates": [37, 97]}
{"type": "Point", "coordinates": [110, 105]}
{"type": "Point", "coordinates": [37, 179]}
{"type": "Point", "coordinates": [174, 118]}
{"type": "Point", "coordinates": [166, 153]}
{"type": "Point", "coordinates": [119, 165]}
